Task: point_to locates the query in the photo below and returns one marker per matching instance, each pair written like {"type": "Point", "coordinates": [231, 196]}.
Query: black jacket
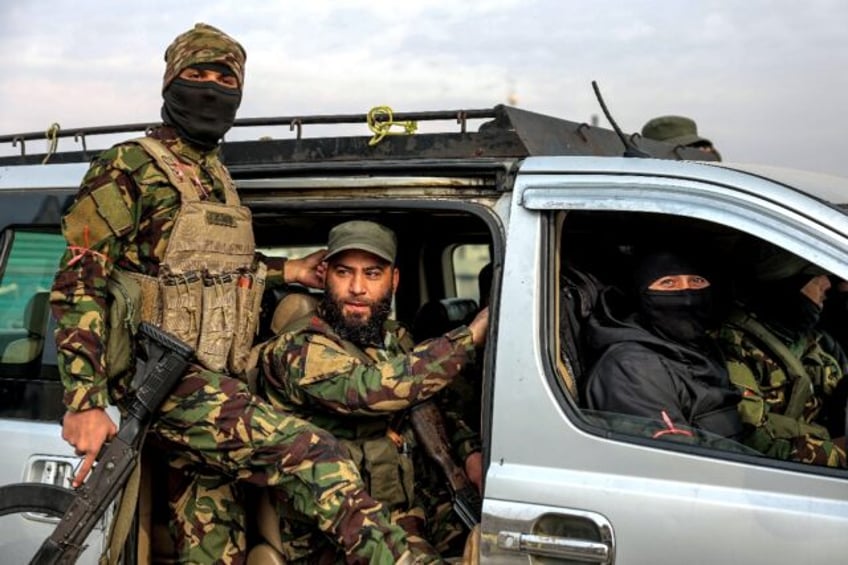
{"type": "Point", "coordinates": [641, 374]}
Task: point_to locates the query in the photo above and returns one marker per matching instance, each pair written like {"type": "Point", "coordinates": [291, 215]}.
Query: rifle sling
{"type": "Point", "coordinates": [802, 385]}
{"type": "Point", "coordinates": [123, 519]}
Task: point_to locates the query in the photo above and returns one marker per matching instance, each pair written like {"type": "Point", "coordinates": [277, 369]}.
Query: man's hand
{"type": "Point", "coordinates": [308, 271]}
{"type": "Point", "coordinates": [474, 470]}
{"type": "Point", "coordinates": [479, 326]}
{"type": "Point", "coordinates": [87, 431]}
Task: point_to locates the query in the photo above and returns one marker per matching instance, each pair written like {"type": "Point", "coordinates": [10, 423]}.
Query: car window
{"type": "Point", "coordinates": [609, 351]}
{"type": "Point", "coordinates": [467, 261]}
{"type": "Point", "coordinates": [27, 348]}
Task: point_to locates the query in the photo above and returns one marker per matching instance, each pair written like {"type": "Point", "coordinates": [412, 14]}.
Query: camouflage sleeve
{"type": "Point", "coordinates": [768, 432]}
{"type": "Point", "coordinates": [835, 365]}
{"type": "Point", "coordinates": [103, 211]}
{"type": "Point", "coordinates": [312, 369]}
{"type": "Point", "coordinates": [276, 270]}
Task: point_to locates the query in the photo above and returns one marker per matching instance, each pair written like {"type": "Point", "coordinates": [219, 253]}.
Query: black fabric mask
{"type": "Point", "coordinates": [783, 305]}
{"type": "Point", "coordinates": [796, 318]}
{"type": "Point", "coordinates": [682, 316]}
{"type": "Point", "coordinates": [202, 112]}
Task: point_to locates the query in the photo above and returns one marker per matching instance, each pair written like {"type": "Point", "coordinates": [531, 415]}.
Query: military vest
{"type": "Point", "coordinates": [209, 287]}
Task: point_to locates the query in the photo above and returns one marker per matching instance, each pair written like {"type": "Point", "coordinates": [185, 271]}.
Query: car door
{"type": "Point", "coordinates": [30, 389]}
{"type": "Point", "coordinates": [558, 487]}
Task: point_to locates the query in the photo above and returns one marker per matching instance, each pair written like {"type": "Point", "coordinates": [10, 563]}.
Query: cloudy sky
{"type": "Point", "coordinates": [766, 80]}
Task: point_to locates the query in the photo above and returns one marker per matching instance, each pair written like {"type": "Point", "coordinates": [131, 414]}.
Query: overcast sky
{"type": "Point", "coordinates": [765, 79]}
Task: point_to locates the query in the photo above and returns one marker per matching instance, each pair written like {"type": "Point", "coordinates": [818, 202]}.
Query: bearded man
{"type": "Point", "coordinates": [354, 372]}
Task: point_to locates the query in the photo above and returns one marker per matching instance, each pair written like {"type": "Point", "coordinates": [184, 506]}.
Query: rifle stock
{"type": "Point", "coordinates": [429, 427]}
{"type": "Point", "coordinates": [166, 358]}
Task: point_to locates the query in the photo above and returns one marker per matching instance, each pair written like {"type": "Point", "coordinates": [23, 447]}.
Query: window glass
{"type": "Point", "coordinates": [690, 364]}
{"type": "Point", "coordinates": [29, 269]}
{"type": "Point", "coordinates": [467, 261]}
{"type": "Point", "coordinates": [29, 379]}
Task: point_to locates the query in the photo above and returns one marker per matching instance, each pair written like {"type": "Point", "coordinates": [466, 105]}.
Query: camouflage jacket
{"type": "Point", "coordinates": [313, 372]}
{"type": "Point", "coordinates": [767, 385]}
{"type": "Point", "coordinates": [122, 217]}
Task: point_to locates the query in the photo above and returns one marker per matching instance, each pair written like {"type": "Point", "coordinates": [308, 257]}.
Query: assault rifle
{"type": "Point", "coordinates": [430, 429]}
{"type": "Point", "coordinates": [164, 360]}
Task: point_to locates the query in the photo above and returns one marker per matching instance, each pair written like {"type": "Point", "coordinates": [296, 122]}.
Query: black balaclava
{"type": "Point", "coordinates": [782, 304]}
{"type": "Point", "coordinates": [682, 316]}
{"type": "Point", "coordinates": [776, 296]}
{"type": "Point", "coordinates": [201, 112]}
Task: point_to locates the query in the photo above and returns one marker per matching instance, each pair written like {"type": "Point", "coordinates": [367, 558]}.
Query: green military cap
{"type": "Point", "coordinates": [203, 44]}
{"type": "Point", "coordinates": [365, 236]}
{"type": "Point", "coordinates": [678, 130]}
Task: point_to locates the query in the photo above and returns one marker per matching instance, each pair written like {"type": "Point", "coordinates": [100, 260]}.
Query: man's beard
{"type": "Point", "coordinates": [354, 330]}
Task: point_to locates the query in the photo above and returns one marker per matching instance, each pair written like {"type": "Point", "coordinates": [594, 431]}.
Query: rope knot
{"type": "Point", "coordinates": [380, 122]}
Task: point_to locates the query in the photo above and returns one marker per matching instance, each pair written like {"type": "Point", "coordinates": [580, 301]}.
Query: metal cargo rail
{"type": "Point", "coordinates": [508, 132]}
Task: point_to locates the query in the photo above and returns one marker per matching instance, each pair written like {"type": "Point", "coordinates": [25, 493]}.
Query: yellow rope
{"type": "Point", "coordinates": [380, 122]}
{"type": "Point", "coordinates": [52, 141]}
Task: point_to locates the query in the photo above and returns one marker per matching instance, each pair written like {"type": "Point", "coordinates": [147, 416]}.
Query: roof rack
{"type": "Point", "coordinates": [509, 133]}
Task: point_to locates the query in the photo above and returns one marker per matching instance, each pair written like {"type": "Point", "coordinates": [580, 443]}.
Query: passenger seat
{"type": "Point", "coordinates": [438, 317]}
{"type": "Point", "coordinates": [28, 349]}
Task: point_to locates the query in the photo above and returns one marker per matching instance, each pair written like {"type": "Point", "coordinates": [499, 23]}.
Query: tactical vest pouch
{"type": "Point", "coordinates": [122, 320]}
{"type": "Point", "coordinates": [217, 320]}
{"type": "Point", "coordinates": [752, 407]}
{"type": "Point", "coordinates": [151, 307]}
{"type": "Point", "coordinates": [390, 472]}
{"type": "Point", "coordinates": [249, 289]}
{"type": "Point", "coordinates": [181, 297]}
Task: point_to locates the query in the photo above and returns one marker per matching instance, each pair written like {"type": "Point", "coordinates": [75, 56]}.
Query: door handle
{"type": "Point", "coordinates": [52, 470]}
{"type": "Point", "coordinates": [555, 546]}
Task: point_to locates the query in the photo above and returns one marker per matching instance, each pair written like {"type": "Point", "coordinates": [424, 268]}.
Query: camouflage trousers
{"type": "Point", "coordinates": [816, 451]}
{"type": "Point", "coordinates": [213, 420]}
{"type": "Point", "coordinates": [432, 527]}
{"type": "Point", "coordinates": [303, 545]}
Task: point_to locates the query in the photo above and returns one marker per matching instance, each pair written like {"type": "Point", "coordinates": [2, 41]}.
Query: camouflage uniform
{"type": "Point", "coordinates": [767, 388]}
{"type": "Point", "coordinates": [360, 395]}
{"type": "Point", "coordinates": [123, 218]}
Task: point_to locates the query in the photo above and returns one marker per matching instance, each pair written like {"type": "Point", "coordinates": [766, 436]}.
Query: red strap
{"type": "Point", "coordinates": [670, 429]}
{"type": "Point", "coordinates": [79, 251]}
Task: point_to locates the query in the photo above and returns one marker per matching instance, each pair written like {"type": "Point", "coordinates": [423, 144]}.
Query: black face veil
{"type": "Point", "coordinates": [201, 112]}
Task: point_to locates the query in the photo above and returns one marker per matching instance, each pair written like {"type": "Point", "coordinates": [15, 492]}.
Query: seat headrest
{"type": "Point", "coordinates": [290, 308]}
{"type": "Point", "coordinates": [440, 316]}
{"type": "Point", "coordinates": [36, 313]}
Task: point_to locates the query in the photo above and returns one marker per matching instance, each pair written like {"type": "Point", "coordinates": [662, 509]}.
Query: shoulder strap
{"type": "Point", "coordinates": [170, 165]}
{"type": "Point", "coordinates": [230, 194]}
{"type": "Point", "coordinates": [174, 170]}
{"type": "Point", "coordinates": [122, 520]}
{"type": "Point", "coordinates": [802, 387]}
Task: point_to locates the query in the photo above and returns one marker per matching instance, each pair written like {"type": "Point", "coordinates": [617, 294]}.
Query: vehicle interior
{"type": "Point", "coordinates": [441, 252]}
{"type": "Point", "coordinates": [598, 251]}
